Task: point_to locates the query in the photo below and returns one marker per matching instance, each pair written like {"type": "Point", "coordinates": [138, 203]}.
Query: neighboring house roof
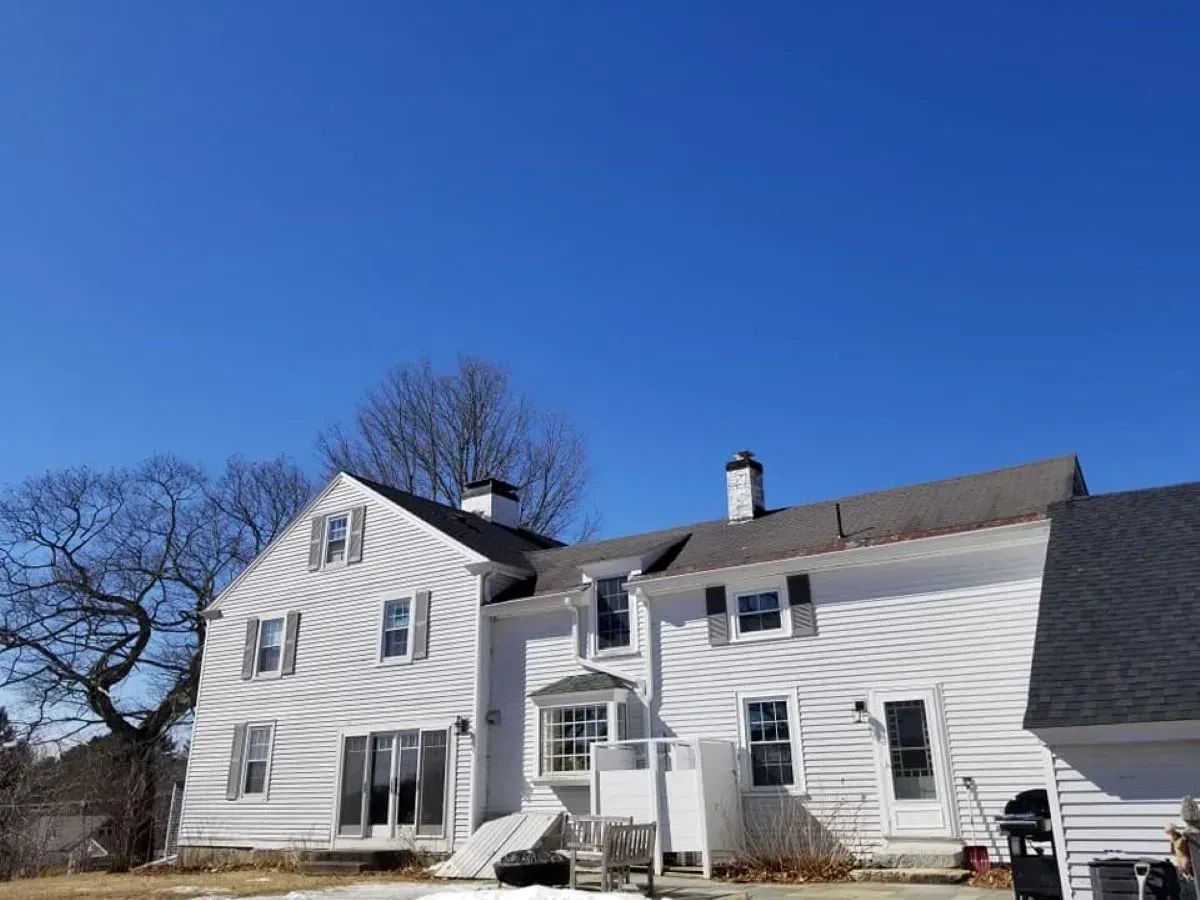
{"type": "Point", "coordinates": [62, 834]}
{"type": "Point", "coordinates": [578, 684]}
{"type": "Point", "coordinates": [498, 543]}
{"type": "Point", "coordinates": [1119, 612]}
{"type": "Point", "coordinates": [998, 497]}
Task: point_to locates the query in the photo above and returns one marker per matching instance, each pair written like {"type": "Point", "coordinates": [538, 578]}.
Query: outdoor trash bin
{"type": "Point", "coordinates": [1114, 879]}
{"type": "Point", "coordinates": [522, 868]}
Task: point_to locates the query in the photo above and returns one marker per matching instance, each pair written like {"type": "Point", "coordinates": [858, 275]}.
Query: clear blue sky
{"type": "Point", "coordinates": [876, 243]}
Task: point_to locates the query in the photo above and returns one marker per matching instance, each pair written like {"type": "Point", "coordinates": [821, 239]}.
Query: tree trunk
{"type": "Point", "coordinates": [133, 818]}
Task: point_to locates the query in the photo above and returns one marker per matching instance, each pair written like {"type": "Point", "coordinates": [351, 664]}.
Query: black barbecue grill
{"type": "Point", "coordinates": [1026, 822]}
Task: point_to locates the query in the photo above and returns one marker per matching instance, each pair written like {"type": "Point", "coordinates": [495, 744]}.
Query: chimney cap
{"type": "Point", "coordinates": [482, 486]}
{"type": "Point", "coordinates": [743, 459]}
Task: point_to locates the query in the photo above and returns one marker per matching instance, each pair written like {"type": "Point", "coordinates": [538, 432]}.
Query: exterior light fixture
{"type": "Point", "coordinates": [860, 711]}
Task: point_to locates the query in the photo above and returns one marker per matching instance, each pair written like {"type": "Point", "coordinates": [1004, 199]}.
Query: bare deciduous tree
{"type": "Point", "coordinates": [430, 433]}
{"type": "Point", "coordinates": [102, 577]}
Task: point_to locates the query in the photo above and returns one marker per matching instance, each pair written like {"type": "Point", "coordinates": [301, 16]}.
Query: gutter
{"type": "Point", "coordinates": [572, 601]}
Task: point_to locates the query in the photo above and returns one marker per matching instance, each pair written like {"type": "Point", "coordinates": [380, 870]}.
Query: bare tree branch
{"type": "Point", "coordinates": [430, 434]}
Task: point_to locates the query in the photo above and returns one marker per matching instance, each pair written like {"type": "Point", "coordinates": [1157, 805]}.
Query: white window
{"type": "Point", "coordinates": [613, 618]}
{"type": "Point", "coordinates": [771, 741]}
{"type": "Point", "coordinates": [336, 528]}
{"type": "Point", "coordinates": [394, 781]}
{"type": "Point", "coordinates": [568, 732]}
{"type": "Point", "coordinates": [270, 646]}
{"type": "Point", "coordinates": [258, 760]}
{"type": "Point", "coordinates": [759, 614]}
{"type": "Point", "coordinates": [396, 640]}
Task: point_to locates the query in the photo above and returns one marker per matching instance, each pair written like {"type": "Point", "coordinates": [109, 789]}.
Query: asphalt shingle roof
{"type": "Point", "coordinates": [1120, 611]}
{"type": "Point", "coordinates": [576, 684]}
{"type": "Point", "coordinates": [937, 507]}
{"type": "Point", "coordinates": [497, 542]}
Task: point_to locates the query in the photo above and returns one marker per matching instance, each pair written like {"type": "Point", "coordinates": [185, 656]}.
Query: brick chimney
{"type": "Point", "coordinates": [744, 486]}
{"type": "Point", "coordinates": [493, 499]}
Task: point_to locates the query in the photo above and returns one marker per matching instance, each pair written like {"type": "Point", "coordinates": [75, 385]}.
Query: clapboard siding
{"type": "Point", "coordinates": [965, 622]}
{"type": "Point", "coordinates": [338, 683]}
{"type": "Point", "coordinates": [1115, 799]}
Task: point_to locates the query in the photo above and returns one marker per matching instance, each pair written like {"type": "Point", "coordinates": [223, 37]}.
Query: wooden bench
{"type": "Point", "coordinates": [612, 845]}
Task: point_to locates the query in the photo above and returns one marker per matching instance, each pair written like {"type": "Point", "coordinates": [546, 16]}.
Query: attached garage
{"type": "Point", "coordinates": [1110, 693]}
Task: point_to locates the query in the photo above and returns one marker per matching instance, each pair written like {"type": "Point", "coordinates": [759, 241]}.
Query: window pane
{"type": "Point", "coordinates": [433, 782]}
{"type": "Point", "coordinates": [768, 731]}
{"type": "Point", "coordinates": [568, 733]}
{"type": "Point", "coordinates": [335, 539]}
{"type": "Point", "coordinates": [396, 619]}
{"type": "Point", "coordinates": [381, 779]}
{"type": "Point", "coordinates": [910, 750]}
{"type": "Point", "coordinates": [759, 612]}
{"type": "Point", "coordinates": [406, 779]}
{"type": "Point", "coordinates": [258, 743]}
{"type": "Point", "coordinates": [256, 777]}
{"type": "Point", "coordinates": [270, 641]}
{"type": "Point", "coordinates": [268, 659]}
{"type": "Point", "coordinates": [354, 761]}
{"type": "Point", "coordinates": [612, 614]}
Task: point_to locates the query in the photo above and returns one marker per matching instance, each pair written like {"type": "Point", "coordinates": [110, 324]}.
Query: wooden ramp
{"type": "Point", "coordinates": [519, 831]}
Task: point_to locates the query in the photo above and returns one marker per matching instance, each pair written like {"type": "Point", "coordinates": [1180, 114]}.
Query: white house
{"type": "Point", "coordinates": [393, 672]}
{"type": "Point", "coordinates": [1113, 690]}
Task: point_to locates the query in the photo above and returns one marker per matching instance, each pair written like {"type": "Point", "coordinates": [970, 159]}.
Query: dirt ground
{"type": "Point", "coordinates": [173, 886]}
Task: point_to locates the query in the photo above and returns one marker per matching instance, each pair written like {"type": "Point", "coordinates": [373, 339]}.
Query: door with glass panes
{"type": "Point", "coordinates": [916, 793]}
{"type": "Point", "coordinates": [393, 784]}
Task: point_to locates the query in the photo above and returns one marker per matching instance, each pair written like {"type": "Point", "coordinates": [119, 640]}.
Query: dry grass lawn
{"type": "Point", "coordinates": [104, 886]}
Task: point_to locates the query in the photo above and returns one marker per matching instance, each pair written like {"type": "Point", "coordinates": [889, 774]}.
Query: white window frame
{"type": "Point", "coordinates": [266, 791]}
{"type": "Point", "coordinates": [602, 572]}
{"type": "Point", "coordinates": [410, 598]}
{"type": "Point", "coordinates": [405, 832]}
{"type": "Point", "coordinates": [326, 562]}
{"type": "Point", "coordinates": [258, 647]}
{"type": "Point", "coordinates": [788, 695]}
{"type": "Point", "coordinates": [615, 718]}
{"type": "Point", "coordinates": [785, 614]}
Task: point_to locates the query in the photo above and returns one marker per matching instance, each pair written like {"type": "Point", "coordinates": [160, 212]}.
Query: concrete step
{"type": "Point", "coordinates": [919, 853]}
{"type": "Point", "coordinates": [334, 867]}
{"type": "Point", "coordinates": [912, 875]}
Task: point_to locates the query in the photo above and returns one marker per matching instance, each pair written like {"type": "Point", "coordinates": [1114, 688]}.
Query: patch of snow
{"type": "Point", "coordinates": [193, 889]}
{"type": "Point", "coordinates": [413, 891]}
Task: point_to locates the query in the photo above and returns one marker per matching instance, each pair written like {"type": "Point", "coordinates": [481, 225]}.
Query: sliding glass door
{"type": "Point", "coordinates": [394, 782]}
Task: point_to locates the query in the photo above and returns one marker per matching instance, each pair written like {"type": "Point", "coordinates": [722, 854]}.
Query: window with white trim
{"type": "Point", "coordinates": [336, 531]}
{"type": "Point", "coordinates": [568, 732]}
{"type": "Point", "coordinates": [258, 760]}
{"type": "Point", "coordinates": [270, 646]}
{"type": "Point", "coordinates": [758, 613]}
{"type": "Point", "coordinates": [770, 742]}
{"type": "Point", "coordinates": [613, 618]}
{"type": "Point", "coordinates": [397, 630]}
{"type": "Point", "coordinates": [394, 782]}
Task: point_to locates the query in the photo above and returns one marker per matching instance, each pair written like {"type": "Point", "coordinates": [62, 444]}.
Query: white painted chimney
{"type": "Point", "coordinates": [493, 499]}
{"type": "Point", "coordinates": [744, 486]}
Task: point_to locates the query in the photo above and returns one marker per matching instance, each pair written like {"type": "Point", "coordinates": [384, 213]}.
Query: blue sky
{"type": "Point", "coordinates": [876, 243]}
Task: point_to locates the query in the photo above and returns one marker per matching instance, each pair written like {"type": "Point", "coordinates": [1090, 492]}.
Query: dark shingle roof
{"type": "Point", "coordinates": [1120, 611]}
{"type": "Point", "coordinates": [936, 507]}
{"type": "Point", "coordinates": [576, 684]}
{"type": "Point", "coordinates": [497, 542]}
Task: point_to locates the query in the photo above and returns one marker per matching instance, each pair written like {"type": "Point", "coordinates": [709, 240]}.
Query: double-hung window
{"type": "Point", "coordinates": [759, 612]}
{"type": "Point", "coordinates": [396, 640]}
{"type": "Point", "coordinates": [336, 528]}
{"type": "Point", "coordinates": [270, 646]}
{"type": "Point", "coordinates": [613, 620]}
{"type": "Point", "coordinates": [770, 742]}
{"type": "Point", "coordinates": [258, 760]}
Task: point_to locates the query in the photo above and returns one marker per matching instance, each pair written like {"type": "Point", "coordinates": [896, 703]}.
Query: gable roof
{"type": "Point", "coordinates": [1002, 496]}
{"type": "Point", "coordinates": [1119, 612]}
{"type": "Point", "coordinates": [498, 543]}
{"type": "Point", "coordinates": [61, 834]}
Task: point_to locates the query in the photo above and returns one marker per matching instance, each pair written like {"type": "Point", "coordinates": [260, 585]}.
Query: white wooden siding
{"type": "Point", "coordinates": [965, 622]}
{"type": "Point", "coordinates": [1116, 798]}
{"type": "Point", "coordinates": [337, 683]}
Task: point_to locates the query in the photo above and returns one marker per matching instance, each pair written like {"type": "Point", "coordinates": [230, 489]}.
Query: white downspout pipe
{"type": "Point", "coordinates": [573, 603]}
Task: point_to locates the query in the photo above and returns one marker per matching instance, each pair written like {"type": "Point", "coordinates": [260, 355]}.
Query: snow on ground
{"type": "Point", "coordinates": [409, 891]}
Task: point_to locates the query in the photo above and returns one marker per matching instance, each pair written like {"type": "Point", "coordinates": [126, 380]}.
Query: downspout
{"type": "Point", "coordinates": [576, 632]}
{"type": "Point", "coordinates": [483, 664]}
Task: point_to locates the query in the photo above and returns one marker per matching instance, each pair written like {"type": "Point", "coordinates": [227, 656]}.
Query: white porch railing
{"type": "Point", "coordinates": [687, 786]}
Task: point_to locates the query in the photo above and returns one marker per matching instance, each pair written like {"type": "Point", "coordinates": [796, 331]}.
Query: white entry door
{"type": "Point", "coordinates": [916, 791]}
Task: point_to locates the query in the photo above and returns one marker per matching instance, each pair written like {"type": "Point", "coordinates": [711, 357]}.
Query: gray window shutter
{"type": "Point", "coordinates": [420, 635]}
{"type": "Point", "coordinates": [804, 616]}
{"type": "Point", "coordinates": [233, 784]}
{"type": "Point", "coordinates": [250, 648]}
{"type": "Point", "coordinates": [358, 517]}
{"type": "Point", "coordinates": [290, 634]}
{"type": "Point", "coordinates": [316, 543]}
{"type": "Point", "coordinates": [718, 615]}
